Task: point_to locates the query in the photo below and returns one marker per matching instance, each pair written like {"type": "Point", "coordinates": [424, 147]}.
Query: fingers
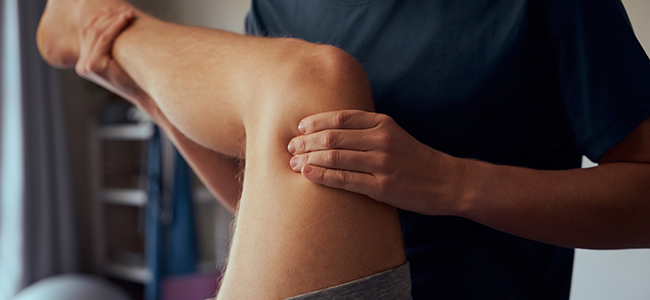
{"type": "Point", "coordinates": [114, 24]}
{"type": "Point", "coordinates": [343, 119]}
{"type": "Point", "coordinates": [356, 182]}
{"type": "Point", "coordinates": [97, 40]}
{"type": "Point", "coordinates": [338, 159]}
{"type": "Point", "coordinates": [360, 140]}
{"type": "Point", "coordinates": [96, 62]}
{"type": "Point", "coordinates": [101, 32]}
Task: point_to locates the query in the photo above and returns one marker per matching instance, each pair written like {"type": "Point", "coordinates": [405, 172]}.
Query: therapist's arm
{"type": "Point", "coordinates": [602, 207]}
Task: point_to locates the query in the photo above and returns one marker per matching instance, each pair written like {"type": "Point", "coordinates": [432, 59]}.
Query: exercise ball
{"type": "Point", "coordinates": [72, 287]}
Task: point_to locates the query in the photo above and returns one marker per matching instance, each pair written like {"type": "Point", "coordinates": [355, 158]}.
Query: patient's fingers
{"type": "Point", "coordinates": [97, 40]}
{"type": "Point", "coordinates": [115, 25]}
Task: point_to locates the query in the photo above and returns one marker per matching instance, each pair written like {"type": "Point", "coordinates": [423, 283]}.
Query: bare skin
{"type": "Point", "coordinates": [604, 207]}
{"type": "Point", "coordinates": [220, 96]}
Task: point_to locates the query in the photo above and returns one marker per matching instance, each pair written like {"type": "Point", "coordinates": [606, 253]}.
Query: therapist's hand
{"type": "Point", "coordinates": [371, 154]}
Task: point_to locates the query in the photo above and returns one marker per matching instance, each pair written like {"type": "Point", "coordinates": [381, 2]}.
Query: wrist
{"type": "Point", "coordinates": [449, 189]}
{"type": "Point", "coordinates": [471, 184]}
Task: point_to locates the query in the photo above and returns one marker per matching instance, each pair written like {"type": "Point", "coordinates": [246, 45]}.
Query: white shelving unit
{"type": "Point", "coordinates": [126, 132]}
{"type": "Point", "coordinates": [128, 265]}
{"type": "Point", "coordinates": [130, 197]}
{"type": "Point", "coordinates": [134, 197]}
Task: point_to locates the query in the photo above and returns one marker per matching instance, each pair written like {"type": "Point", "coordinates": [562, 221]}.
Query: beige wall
{"type": "Point", "coordinates": [639, 12]}
{"type": "Point", "coordinates": [618, 274]}
{"type": "Point", "coordinates": [222, 14]}
{"type": "Point", "coordinates": [81, 105]}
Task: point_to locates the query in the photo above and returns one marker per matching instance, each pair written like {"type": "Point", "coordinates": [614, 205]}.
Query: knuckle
{"type": "Point", "coordinates": [383, 139]}
{"type": "Point", "coordinates": [384, 184]}
{"type": "Point", "coordinates": [344, 177]}
{"type": "Point", "coordinates": [341, 118]}
{"type": "Point", "coordinates": [333, 158]}
{"type": "Point", "coordinates": [383, 159]}
{"type": "Point", "coordinates": [383, 119]}
{"type": "Point", "coordinates": [330, 139]}
{"type": "Point", "coordinates": [377, 119]}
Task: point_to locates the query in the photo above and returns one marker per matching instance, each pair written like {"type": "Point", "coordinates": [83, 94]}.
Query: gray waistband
{"type": "Point", "coordinates": [393, 284]}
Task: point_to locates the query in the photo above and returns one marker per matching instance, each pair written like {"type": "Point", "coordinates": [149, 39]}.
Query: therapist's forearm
{"type": "Point", "coordinates": [603, 207]}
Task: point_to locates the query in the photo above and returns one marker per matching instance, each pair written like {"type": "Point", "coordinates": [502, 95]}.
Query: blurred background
{"type": "Point", "coordinates": [83, 176]}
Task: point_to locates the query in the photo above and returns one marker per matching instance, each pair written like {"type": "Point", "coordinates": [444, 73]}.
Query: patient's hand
{"type": "Point", "coordinates": [96, 62]}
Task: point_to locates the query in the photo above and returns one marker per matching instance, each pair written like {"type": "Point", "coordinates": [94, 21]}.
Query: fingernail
{"type": "Point", "coordinates": [306, 169]}
{"type": "Point", "coordinates": [301, 127]}
{"type": "Point", "coordinates": [291, 147]}
{"type": "Point", "coordinates": [294, 162]}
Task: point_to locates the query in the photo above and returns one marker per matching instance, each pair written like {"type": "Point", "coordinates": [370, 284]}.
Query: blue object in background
{"type": "Point", "coordinates": [170, 245]}
{"type": "Point", "coordinates": [182, 254]}
{"type": "Point", "coordinates": [153, 231]}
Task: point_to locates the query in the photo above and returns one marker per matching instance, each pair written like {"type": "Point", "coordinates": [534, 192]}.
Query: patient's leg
{"type": "Point", "coordinates": [225, 92]}
{"type": "Point", "coordinates": [292, 233]}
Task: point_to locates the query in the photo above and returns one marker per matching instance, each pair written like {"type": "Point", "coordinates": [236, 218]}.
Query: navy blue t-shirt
{"type": "Point", "coordinates": [527, 83]}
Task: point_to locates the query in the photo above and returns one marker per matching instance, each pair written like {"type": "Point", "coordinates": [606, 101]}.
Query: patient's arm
{"type": "Point", "coordinates": [244, 96]}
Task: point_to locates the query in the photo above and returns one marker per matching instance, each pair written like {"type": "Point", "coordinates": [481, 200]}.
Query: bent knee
{"type": "Point", "coordinates": [314, 79]}
{"type": "Point", "coordinates": [339, 73]}
{"type": "Point", "coordinates": [334, 79]}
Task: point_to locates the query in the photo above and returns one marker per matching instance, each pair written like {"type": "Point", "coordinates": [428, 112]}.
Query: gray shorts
{"type": "Point", "coordinates": [394, 284]}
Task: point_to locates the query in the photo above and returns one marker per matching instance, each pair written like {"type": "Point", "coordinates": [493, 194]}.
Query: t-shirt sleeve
{"type": "Point", "coordinates": [603, 72]}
